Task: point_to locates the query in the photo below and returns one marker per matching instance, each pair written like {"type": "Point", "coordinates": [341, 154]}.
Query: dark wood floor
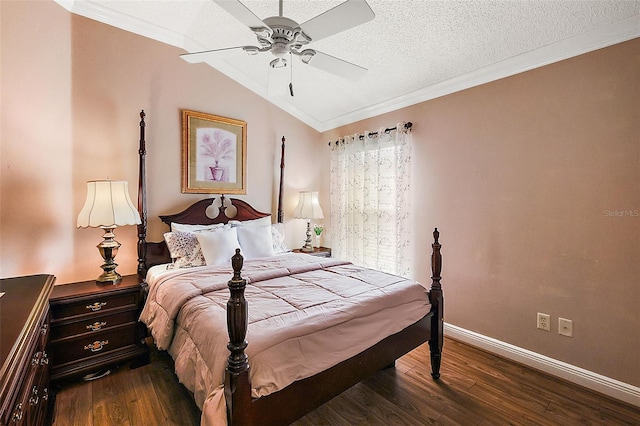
{"type": "Point", "coordinates": [476, 388]}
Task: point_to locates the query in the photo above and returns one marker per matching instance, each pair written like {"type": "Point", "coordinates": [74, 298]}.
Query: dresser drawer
{"type": "Point", "coordinates": [92, 322]}
{"type": "Point", "coordinates": [22, 413]}
{"type": "Point", "coordinates": [90, 344]}
{"type": "Point", "coordinates": [93, 304]}
{"type": "Point", "coordinates": [24, 381]}
{"type": "Point", "coordinates": [44, 331]}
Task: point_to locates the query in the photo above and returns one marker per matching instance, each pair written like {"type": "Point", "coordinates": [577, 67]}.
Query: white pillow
{"type": "Point", "coordinates": [183, 227]}
{"type": "Point", "coordinates": [263, 221]}
{"type": "Point", "coordinates": [255, 241]}
{"type": "Point", "coordinates": [218, 246]}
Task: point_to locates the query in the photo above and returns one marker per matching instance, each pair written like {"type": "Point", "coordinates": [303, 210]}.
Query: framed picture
{"type": "Point", "coordinates": [214, 153]}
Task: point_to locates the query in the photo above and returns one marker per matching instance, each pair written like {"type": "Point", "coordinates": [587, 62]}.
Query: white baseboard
{"type": "Point", "coordinates": [588, 379]}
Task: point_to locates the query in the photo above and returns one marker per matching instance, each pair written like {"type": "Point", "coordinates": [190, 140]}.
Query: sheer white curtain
{"type": "Point", "coordinates": [371, 200]}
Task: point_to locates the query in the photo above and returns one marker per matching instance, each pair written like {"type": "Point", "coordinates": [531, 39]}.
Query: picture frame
{"type": "Point", "coordinates": [214, 154]}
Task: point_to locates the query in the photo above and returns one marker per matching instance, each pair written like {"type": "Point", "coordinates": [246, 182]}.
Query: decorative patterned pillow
{"type": "Point", "coordinates": [184, 250]}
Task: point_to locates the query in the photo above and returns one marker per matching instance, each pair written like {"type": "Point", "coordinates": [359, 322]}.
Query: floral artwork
{"type": "Point", "coordinates": [214, 153]}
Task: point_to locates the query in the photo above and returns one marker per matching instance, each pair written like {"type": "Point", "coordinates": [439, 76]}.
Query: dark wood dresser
{"type": "Point", "coordinates": [24, 328]}
{"type": "Point", "coordinates": [95, 327]}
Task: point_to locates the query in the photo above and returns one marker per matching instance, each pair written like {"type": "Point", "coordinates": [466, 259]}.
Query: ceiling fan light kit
{"type": "Point", "coordinates": [283, 36]}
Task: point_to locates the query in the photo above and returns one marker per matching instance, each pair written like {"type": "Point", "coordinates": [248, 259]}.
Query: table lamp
{"type": "Point", "coordinates": [308, 208]}
{"type": "Point", "coordinates": [107, 206]}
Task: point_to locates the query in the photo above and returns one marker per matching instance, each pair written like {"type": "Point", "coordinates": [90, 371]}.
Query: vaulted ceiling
{"type": "Point", "coordinates": [413, 50]}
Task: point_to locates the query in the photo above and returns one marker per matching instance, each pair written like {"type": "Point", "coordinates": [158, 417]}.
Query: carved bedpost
{"type": "Point", "coordinates": [437, 303]}
{"type": "Point", "coordinates": [142, 201]}
{"type": "Point", "coordinates": [281, 189]}
{"type": "Point", "coordinates": [237, 388]}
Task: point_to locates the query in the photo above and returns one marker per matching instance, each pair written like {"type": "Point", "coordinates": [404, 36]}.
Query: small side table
{"type": "Point", "coordinates": [94, 327]}
{"type": "Point", "coordinates": [317, 251]}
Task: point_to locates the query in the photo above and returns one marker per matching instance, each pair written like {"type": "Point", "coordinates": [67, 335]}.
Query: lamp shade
{"type": "Point", "coordinates": [107, 205]}
{"type": "Point", "coordinates": [308, 206]}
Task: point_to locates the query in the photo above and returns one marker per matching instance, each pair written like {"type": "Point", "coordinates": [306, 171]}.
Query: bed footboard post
{"type": "Point", "coordinates": [237, 388]}
{"type": "Point", "coordinates": [437, 305]}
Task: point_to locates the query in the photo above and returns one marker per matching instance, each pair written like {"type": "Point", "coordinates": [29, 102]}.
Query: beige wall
{"type": "Point", "coordinates": [518, 175]}
{"type": "Point", "coordinates": [72, 90]}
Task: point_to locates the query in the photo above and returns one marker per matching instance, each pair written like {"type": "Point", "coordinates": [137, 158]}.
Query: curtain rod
{"type": "Point", "coordinates": [407, 126]}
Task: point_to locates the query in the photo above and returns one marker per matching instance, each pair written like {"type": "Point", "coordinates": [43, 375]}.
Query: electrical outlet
{"type": "Point", "coordinates": [544, 321]}
{"type": "Point", "coordinates": [565, 327]}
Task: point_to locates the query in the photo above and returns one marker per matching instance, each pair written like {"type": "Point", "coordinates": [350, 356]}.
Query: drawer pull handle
{"type": "Point", "coordinates": [36, 358]}
{"type": "Point", "coordinates": [33, 399]}
{"type": "Point", "coordinates": [96, 346]}
{"type": "Point", "coordinates": [96, 306]}
{"type": "Point", "coordinates": [17, 413]}
{"type": "Point", "coordinates": [96, 326]}
{"type": "Point", "coordinates": [44, 329]}
{"type": "Point", "coordinates": [45, 394]}
{"type": "Point", "coordinates": [45, 359]}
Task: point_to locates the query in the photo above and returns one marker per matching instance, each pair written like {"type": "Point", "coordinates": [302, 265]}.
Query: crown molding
{"type": "Point", "coordinates": [599, 38]}
{"type": "Point", "coordinates": [125, 22]}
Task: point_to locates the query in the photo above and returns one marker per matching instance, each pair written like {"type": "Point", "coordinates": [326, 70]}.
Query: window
{"type": "Point", "coordinates": [371, 200]}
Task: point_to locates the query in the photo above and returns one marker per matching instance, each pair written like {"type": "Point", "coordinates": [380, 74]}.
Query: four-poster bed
{"type": "Point", "coordinates": [267, 386]}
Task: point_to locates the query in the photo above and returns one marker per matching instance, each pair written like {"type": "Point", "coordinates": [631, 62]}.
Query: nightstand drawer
{"type": "Point", "coordinates": [93, 304]}
{"type": "Point", "coordinates": [93, 343]}
{"type": "Point", "coordinates": [92, 323]}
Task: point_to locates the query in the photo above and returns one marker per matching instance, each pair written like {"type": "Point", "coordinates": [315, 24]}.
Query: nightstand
{"type": "Point", "coordinates": [95, 327]}
{"type": "Point", "coordinates": [317, 251]}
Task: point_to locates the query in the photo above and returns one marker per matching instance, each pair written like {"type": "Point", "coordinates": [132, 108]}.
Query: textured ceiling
{"type": "Point", "coordinates": [414, 50]}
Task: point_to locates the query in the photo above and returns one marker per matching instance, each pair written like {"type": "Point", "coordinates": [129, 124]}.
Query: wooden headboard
{"type": "Point", "coordinates": [204, 212]}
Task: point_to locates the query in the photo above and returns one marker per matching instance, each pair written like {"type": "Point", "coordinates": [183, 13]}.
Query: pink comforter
{"type": "Point", "coordinates": [311, 312]}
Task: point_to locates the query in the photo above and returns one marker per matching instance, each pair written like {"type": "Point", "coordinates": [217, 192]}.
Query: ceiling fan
{"type": "Point", "coordinates": [283, 36]}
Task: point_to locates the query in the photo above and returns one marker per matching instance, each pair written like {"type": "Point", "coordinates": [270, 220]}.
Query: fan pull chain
{"type": "Point", "coordinates": [291, 78]}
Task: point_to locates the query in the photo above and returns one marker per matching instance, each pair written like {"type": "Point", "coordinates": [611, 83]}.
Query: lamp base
{"type": "Point", "coordinates": [108, 249]}
{"type": "Point", "coordinates": [111, 277]}
{"type": "Point", "coordinates": [307, 247]}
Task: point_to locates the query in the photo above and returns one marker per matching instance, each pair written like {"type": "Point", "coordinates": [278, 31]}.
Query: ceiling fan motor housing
{"type": "Point", "coordinates": [286, 36]}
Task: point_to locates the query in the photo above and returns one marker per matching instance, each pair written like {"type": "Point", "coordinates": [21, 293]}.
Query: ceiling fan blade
{"type": "Point", "coordinates": [241, 13]}
{"type": "Point", "coordinates": [204, 56]}
{"type": "Point", "coordinates": [333, 65]}
{"type": "Point", "coordinates": [346, 15]}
